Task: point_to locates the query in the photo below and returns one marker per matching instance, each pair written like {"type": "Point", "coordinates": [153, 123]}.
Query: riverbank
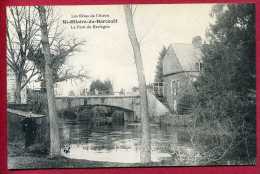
{"type": "Point", "coordinates": [93, 147]}
{"type": "Point", "coordinates": [19, 158]}
{"type": "Point", "coordinates": [29, 162]}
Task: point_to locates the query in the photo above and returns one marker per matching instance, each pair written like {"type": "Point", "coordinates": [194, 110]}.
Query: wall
{"type": "Point", "coordinates": [184, 87]}
{"type": "Point", "coordinates": [11, 85]}
{"type": "Point", "coordinates": [18, 136]}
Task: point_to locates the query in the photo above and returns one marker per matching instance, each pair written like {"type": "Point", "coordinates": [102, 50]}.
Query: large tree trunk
{"type": "Point", "coordinates": [146, 137]}
{"type": "Point", "coordinates": [54, 130]}
{"type": "Point", "coordinates": [18, 89]}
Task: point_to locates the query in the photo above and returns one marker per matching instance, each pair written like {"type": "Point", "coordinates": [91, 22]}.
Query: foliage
{"type": "Point", "coordinates": [185, 104]}
{"type": "Point", "coordinates": [102, 87]}
{"type": "Point", "coordinates": [159, 66]}
{"type": "Point", "coordinates": [38, 101]}
{"type": "Point", "coordinates": [225, 101]}
{"type": "Point", "coordinates": [159, 76]}
{"type": "Point", "coordinates": [71, 93]}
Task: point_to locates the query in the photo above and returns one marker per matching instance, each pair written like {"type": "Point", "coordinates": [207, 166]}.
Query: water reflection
{"type": "Point", "coordinates": [117, 143]}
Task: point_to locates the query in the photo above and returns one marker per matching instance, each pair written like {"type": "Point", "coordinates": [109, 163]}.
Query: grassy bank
{"type": "Point", "coordinates": [19, 158]}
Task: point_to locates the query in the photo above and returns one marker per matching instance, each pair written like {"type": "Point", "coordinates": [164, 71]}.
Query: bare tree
{"type": "Point", "coordinates": [146, 137]}
{"type": "Point", "coordinates": [60, 51]}
{"type": "Point", "coordinates": [21, 42]}
{"type": "Point", "coordinates": [54, 130]}
{"type": "Point", "coordinates": [24, 46]}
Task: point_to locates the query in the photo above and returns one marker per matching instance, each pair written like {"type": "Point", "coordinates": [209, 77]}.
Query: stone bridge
{"type": "Point", "coordinates": [124, 102]}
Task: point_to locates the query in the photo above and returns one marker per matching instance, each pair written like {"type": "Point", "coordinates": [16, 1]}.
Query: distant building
{"type": "Point", "coordinates": [11, 85]}
{"type": "Point", "coordinates": [181, 66]}
{"type": "Point", "coordinates": [58, 89]}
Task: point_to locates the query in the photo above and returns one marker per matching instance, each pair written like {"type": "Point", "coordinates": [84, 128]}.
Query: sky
{"type": "Point", "coordinates": [107, 53]}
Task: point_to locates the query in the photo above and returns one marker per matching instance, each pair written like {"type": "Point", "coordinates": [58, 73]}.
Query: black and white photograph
{"type": "Point", "coordinates": [131, 85]}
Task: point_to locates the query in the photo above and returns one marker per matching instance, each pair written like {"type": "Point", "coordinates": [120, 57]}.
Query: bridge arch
{"type": "Point", "coordinates": [99, 113]}
{"type": "Point", "coordinates": [132, 103]}
{"type": "Point", "coordinates": [128, 104]}
{"type": "Point", "coordinates": [111, 106]}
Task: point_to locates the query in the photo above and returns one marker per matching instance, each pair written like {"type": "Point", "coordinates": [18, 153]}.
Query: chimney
{"type": "Point", "coordinates": [197, 42]}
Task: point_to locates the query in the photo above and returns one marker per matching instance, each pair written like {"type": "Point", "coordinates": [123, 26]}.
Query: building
{"type": "Point", "coordinates": [11, 86]}
{"type": "Point", "coordinates": [181, 66]}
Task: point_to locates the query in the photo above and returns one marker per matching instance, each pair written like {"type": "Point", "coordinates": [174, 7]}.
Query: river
{"type": "Point", "coordinates": [120, 142]}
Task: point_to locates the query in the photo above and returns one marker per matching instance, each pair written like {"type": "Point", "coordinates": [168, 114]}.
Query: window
{"type": "Point", "coordinates": [160, 89]}
{"type": "Point", "coordinates": [173, 89]}
{"type": "Point", "coordinates": [175, 85]}
{"type": "Point", "coordinates": [199, 66]}
{"type": "Point", "coordinates": [178, 84]}
{"type": "Point", "coordinates": [174, 105]}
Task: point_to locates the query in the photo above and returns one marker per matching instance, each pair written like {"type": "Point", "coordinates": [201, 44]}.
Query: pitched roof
{"type": "Point", "coordinates": [186, 54]}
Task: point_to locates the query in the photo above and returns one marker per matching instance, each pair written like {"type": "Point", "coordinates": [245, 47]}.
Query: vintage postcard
{"type": "Point", "coordinates": [131, 85]}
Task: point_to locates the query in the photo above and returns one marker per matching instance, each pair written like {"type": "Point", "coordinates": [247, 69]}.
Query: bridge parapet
{"type": "Point", "coordinates": [126, 102]}
{"type": "Point", "coordinates": [99, 96]}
